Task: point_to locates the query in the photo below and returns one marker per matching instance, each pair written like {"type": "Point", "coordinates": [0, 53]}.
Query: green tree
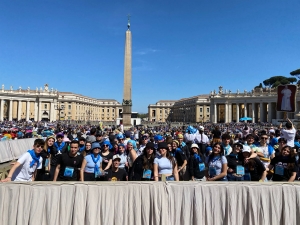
{"type": "Point", "coordinates": [278, 80]}
{"type": "Point", "coordinates": [259, 86]}
{"type": "Point", "coordinates": [297, 74]}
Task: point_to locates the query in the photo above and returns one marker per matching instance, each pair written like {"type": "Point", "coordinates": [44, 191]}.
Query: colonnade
{"type": "Point", "coordinates": [27, 109]}
{"type": "Point", "coordinates": [258, 111]}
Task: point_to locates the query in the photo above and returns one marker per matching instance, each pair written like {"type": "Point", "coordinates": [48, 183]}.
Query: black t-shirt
{"type": "Point", "coordinates": [69, 167]}
{"type": "Point", "coordinates": [234, 160]}
{"type": "Point", "coordinates": [179, 156]}
{"type": "Point", "coordinates": [194, 167]}
{"type": "Point", "coordinates": [256, 171]}
{"type": "Point", "coordinates": [216, 133]}
{"type": "Point", "coordinates": [105, 159]}
{"type": "Point", "coordinates": [288, 164]}
{"type": "Point", "coordinates": [120, 175]}
{"type": "Point", "coordinates": [55, 152]}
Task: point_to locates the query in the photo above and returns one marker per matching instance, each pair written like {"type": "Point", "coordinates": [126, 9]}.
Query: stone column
{"type": "Point", "coordinates": [226, 112]}
{"type": "Point", "coordinates": [270, 112]}
{"type": "Point", "coordinates": [19, 110]}
{"type": "Point", "coordinates": [1, 109]}
{"type": "Point", "coordinates": [52, 111]}
{"type": "Point", "coordinates": [35, 111]}
{"type": "Point", "coordinates": [215, 113]}
{"type": "Point", "coordinates": [27, 110]}
{"type": "Point", "coordinates": [237, 112]}
{"type": "Point", "coordinates": [10, 110]}
{"type": "Point", "coordinates": [261, 110]}
{"type": "Point", "coordinates": [230, 113]}
{"type": "Point", "coordinates": [245, 109]}
{"type": "Point", "coordinates": [40, 111]}
{"type": "Point", "coordinates": [253, 113]}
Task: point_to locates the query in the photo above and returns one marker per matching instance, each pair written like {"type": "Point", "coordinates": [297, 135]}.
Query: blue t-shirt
{"type": "Point", "coordinates": [217, 164]}
{"type": "Point", "coordinates": [164, 165]}
{"type": "Point", "coordinates": [90, 165]}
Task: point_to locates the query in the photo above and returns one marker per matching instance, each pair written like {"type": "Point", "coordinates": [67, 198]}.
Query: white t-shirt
{"type": "Point", "coordinates": [265, 151]}
{"type": "Point", "coordinates": [289, 135]}
{"type": "Point", "coordinates": [24, 172]}
{"type": "Point", "coordinates": [203, 140]}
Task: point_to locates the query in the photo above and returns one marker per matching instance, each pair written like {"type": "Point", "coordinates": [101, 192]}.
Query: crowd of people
{"type": "Point", "coordinates": [207, 152]}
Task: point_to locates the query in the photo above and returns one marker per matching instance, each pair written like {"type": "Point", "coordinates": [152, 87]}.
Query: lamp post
{"type": "Point", "coordinates": [184, 113]}
{"type": "Point", "coordinates": [59, 108]}
{"type": "Point", "coordinates": [23, 117]}
{"type": "Point", "coordinates": [89, 113]}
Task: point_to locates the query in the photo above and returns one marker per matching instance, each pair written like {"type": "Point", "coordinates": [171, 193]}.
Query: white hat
{"type": "Point", "coordinates": [116, 157]}
{"type": "Point", "coordinates": [194, 146]}
{"type": "Point", "coordinates": [201, 128]}
{"type": "Point", "coordinates": [246, 148]}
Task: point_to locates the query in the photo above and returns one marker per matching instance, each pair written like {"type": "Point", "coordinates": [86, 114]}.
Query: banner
{"type": "Point", "coordinates": [286, 98]}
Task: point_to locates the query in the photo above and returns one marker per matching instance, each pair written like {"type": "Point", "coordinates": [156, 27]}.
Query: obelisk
{"type": "Point", "coordinates": [127, 102]}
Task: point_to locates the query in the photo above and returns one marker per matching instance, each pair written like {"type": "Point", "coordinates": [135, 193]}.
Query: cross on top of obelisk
{"type": "Point", "coordinates": [128, 24]}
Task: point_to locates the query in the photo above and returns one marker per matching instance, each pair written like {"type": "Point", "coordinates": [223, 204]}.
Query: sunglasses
{"type": "Point", "coordinates": [105, 145]}
{"type": "Point", "coordinates": [96, 148]}
{"type": "Point", "coordinates": [39, 146]}
{"type": "Point", "coordinates": [263, 138]}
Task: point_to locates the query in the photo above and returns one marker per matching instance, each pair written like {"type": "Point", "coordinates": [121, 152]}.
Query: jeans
{"type": "Point", "coordinates": [231, 177]}
{"type": "Point", "coordinates": [170, 178]}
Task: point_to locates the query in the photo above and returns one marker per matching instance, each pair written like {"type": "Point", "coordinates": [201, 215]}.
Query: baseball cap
{"type": "Point", "coordinates": [158, 138]}
{"type": "Point", "coordinates": [150, 145]}
{"type": "Point", "coordinates": [179, 136]}
{"type": "Point", "coordinates": [116, 157]}
{"type": "Point", "coordinates": [60, 135]}
{"type": "Point", "coordinates": [194, 146]}
{"type": "Point", "coordinates": [246, 148]}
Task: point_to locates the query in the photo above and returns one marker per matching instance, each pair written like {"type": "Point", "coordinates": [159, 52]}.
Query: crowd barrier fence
{"type": "Point", "coordinates": [13, 149]}
{"type": "Point", "coordinates": [151, 203]}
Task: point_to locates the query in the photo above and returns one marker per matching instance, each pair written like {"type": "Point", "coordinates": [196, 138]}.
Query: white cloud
{"type": "Point", "coordinates": [146, 51]}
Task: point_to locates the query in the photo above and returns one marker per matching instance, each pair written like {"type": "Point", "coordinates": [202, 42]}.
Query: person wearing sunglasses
{"type": "Point", "coordinates": [26, 167]}
{"type": "Point", "coordinates": [106, 155]}
{"type": "Point", "coordinates": [265, 151]}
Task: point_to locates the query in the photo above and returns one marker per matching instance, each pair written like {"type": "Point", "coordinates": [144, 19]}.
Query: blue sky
{"type": "Point", "coordinates": [179, 48]}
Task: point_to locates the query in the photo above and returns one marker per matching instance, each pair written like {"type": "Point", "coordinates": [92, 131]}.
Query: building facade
{"type": "Point", "coordinates": [50, 105]}
{"type": "Point", "coordinates": [223, 107]}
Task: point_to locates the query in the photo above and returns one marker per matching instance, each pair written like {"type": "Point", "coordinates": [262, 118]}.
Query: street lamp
{"type": "Point", "coordinates": [184, 113]}
{"type": "Point", "coordinates": [89, 112]}
{"type": "Point", "coordinates": [59, 108]}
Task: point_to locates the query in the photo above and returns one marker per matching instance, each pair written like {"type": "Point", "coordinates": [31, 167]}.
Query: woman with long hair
{"type": "Point", "coordinates": [91, 165]}
{"type": "Point", "coordinates": [87, 150]}
{"type": "Point", "coordinates": [142, 168]}
{"type": "Point", "coordinates": [132, 155]}
{"type": "Point", "coordinates": [196, 164]}
{"type": "Point", "coordinates": [43, 173]}
{"type": "Point", "coordinates": [106, 155]}
{"type": "Point", "coordinates": [284, 165]}
{"type": "Point", "coordinates": [216, 135]}
{"type": "Point", "coordinates": [216, 164]}
{"type": "Point", "coordinates": [165, 165]}
{"type": "Point", "coordinates": [122, 153]}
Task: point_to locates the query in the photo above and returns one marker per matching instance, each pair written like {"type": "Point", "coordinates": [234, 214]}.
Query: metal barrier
{"type": "Point", "coordinates": [11, 150]}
